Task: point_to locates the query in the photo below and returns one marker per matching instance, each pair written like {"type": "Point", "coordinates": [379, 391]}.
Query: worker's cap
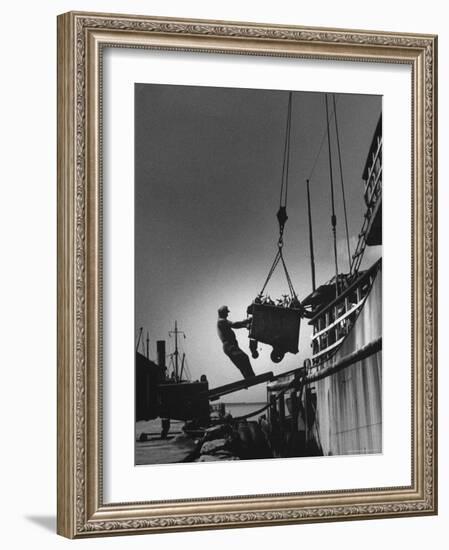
{"type": "Point", "coordinates": [223, 309]}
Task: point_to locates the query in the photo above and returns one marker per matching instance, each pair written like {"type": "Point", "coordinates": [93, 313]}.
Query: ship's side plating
{"type": "Point", "coordinates": [348, 410]}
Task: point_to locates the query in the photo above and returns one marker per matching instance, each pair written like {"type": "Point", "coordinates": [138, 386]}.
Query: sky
{"type": "Point", "coordinates": [208, 166]}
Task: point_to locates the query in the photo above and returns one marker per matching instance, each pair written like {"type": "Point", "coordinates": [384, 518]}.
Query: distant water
{"type": "Point", "coordinates": [241, 409]}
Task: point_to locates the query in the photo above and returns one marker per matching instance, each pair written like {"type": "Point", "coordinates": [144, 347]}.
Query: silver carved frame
{"type": "Point", "coordinates": [81, 37]}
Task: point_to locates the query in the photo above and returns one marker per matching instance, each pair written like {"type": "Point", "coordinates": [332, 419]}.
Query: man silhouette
{"type": "Point", "coordinates": [230, 345]}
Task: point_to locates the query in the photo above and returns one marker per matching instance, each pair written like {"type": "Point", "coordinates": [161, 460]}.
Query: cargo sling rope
{"type": "Point", "coordinates": [280, 258]}
{"type": "Point", "coordinates": [282, 212]}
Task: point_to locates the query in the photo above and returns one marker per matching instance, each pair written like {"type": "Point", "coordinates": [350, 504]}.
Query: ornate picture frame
{"type": "Point", "coordinates": [82, 40]}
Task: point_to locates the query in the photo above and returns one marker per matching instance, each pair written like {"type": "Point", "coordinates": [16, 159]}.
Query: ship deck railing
{"type": "Point", "coordinates": [374, 173]}
{"type": "Point", "coordinates": [333, 322]}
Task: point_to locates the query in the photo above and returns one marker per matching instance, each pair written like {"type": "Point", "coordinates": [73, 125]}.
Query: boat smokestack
{"type": "Point", "coordinates": [161, 353]}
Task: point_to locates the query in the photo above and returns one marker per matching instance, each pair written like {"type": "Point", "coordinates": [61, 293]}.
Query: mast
{"type": "Point", "coordinates": [312, 257]}
{"type": "Point", "coordinates": [148, 345]}
{"type": "Point", "coordinates": [176, 353]}
{"type": "Point", "coordinates": [176, 350]}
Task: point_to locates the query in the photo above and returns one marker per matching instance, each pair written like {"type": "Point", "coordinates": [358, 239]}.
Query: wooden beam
{"type": "Point", "coordinates": [215, 393]}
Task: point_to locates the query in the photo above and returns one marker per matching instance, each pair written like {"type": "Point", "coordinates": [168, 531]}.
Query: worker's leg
{"type": "Point", "coordinates": [241, 361]}
{"type": "Point", "coordinates": [245, 367]}
{"type": "Point", "coordinates": [247, 371]}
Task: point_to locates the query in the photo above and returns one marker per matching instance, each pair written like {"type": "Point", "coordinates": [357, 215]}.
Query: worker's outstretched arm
{"type": "Point", "coordinates": [241, 324]}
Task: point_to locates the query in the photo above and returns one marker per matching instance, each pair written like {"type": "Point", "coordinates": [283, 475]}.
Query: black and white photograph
{"type": "Point", "coordinates": [258, 274]}
{"type": "Point", "coordinates": [223, 241]}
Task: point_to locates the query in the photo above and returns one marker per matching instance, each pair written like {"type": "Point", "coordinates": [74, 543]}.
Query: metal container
{"type": "Point", "coordinates": [276, 326]}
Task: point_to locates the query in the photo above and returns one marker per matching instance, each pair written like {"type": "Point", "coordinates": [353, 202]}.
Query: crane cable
{"type": "Point", "coordinates": [286, 160]}
{"type": "Point", "coordinates": [333, 216]}
{"type": "Point", "coordinates": [282, 212]}
{"type": "Point", "coordinates": [325, 134]}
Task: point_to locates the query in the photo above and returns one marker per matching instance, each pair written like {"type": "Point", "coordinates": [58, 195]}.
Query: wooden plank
{"type": "Point", "coordinates": [215, 393]}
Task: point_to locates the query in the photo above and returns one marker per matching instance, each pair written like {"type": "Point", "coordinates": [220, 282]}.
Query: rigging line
{"type": "Point", "coordinates": [288, 148]}
{"type": "Point", "coordinates": [287, 276]}
{"type": "Point", "coordinates": [270, 273]}
{"type": "Point", "coordinates": [342, 181]}
{"type": "Point", "coordinates": [312, 256]}
{"type": "Point", "coordinates": [323, 138]}
{"type": "Point", "coordinates": [138, 339]}
{"type": "Point", "coordinates": [334, 217]}
{"type": "Point", "coordinates": [280, 258]}
{"type": "Point", "coordinates": [285, 162]}
{"type": "Point", "coordinates": [188, 374]}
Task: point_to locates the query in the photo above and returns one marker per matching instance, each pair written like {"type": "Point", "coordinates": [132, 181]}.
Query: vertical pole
{"type": "Point", "coordinates": [272, 407]}
{"type": "Point", "coordinates": [312, 256]}
{"type": "Point", "coordinates": [160, 345]}
{"type": "Point", "coordinates": [333, 217]}
{"type": "Point", "coordinates": [148, 345]}
{"type": "Point", "coordinates": [306, 416]}
{"type": "Point", "coordinates": [276, 434]}
{"type": "Point", "coordinates": [281, 413]}
{"type": "Point", "coordinates": [176, 354]}
{"type": "Point", "coordinates": [295, 410]}
{"type": "Point", "coordinates": [176, 351]}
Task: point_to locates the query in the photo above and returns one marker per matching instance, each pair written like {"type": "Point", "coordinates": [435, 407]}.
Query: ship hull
{"type": "Point", "coordinates": [348, 410]}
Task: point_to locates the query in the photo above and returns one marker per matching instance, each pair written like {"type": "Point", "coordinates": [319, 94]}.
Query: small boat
{"type": "Point", "coordinates": [165, 391]}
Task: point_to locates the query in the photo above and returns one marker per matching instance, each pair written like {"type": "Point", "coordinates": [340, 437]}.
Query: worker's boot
{"type": "Point", "coordinates": [253, 348]}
